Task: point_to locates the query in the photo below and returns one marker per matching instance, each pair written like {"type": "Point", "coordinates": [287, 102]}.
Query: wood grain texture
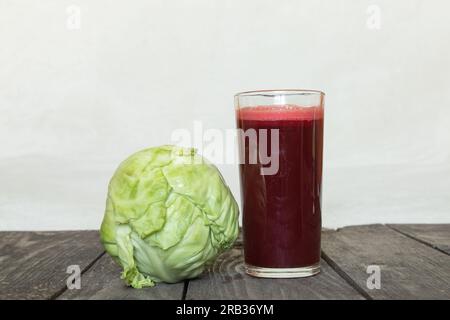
{"type": "Point", "coordinates": [435, 235]}
{"type": "Point", "coordinates": [409, 269]}
{"type": "Point", "coordinates": [102, 282]}
{"type": "Point", "coordinates": [34, 264]}
{"type": "Point", "coordinates": [226, 279]}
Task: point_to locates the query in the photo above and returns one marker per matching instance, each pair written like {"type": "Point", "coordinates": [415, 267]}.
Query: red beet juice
{"type": "Point", "coordinates": [282, 211]}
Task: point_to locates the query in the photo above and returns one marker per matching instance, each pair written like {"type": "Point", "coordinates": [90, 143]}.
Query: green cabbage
{"type": "Point", "coordinates": [168, 214]}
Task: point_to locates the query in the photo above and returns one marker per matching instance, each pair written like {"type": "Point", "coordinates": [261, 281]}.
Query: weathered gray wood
{"type": "Point", "coordinates": [33, 265]}
{"type": "Point", "coordinates": [226, 279]}
{"type": "Point", "coordinates": [102, 282]}
{"type": "Point", "coordinates": [409, 269]}
{"type": "Point", "coordinates": [435, 235]}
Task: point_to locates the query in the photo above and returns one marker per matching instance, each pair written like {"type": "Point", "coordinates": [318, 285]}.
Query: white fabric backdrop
{"type": "Point", "coordinates": [79, 95]}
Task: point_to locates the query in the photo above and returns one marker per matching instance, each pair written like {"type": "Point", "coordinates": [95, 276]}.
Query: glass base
{"type": "Point", "coordinates": [300, 272]}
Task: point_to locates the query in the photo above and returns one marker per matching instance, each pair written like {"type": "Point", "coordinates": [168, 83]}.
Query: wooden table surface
{"type": "Point", "coordinates": [414, 262]}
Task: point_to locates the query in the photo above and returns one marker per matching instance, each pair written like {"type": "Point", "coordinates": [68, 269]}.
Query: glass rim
{"type": "Point", "coordinates": [277, 92]}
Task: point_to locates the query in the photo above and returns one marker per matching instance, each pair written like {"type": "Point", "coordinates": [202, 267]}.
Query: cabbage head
{"type": "Point", "coordinates": [168, 214]}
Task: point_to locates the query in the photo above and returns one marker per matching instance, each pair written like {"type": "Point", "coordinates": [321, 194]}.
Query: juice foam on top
{"type": "Point", "coordinates": [280, 112]}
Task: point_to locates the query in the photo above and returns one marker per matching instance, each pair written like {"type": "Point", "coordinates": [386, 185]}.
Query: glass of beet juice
{"type": "Point", "coordinates": [281, 147]}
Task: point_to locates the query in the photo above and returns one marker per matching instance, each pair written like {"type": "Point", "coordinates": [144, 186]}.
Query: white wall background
{"type": "Point", "coordinates": [75, 102]}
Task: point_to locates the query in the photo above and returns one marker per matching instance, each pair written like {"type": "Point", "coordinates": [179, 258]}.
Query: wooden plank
{"type": "Point", "coordinates": [226, 279]}
{"type": "Point", "coordinates": [409, 269]}
{"type": "Point", "coordinates": [34, 264]}
{"type": "Point", "coordinates": [435, 235]}
{"type": "Point", "coordinates": [102, 282]}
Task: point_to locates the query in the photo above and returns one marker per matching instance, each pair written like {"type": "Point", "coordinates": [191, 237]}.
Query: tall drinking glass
{"type": "Point", "coordinates": [281, 147]}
